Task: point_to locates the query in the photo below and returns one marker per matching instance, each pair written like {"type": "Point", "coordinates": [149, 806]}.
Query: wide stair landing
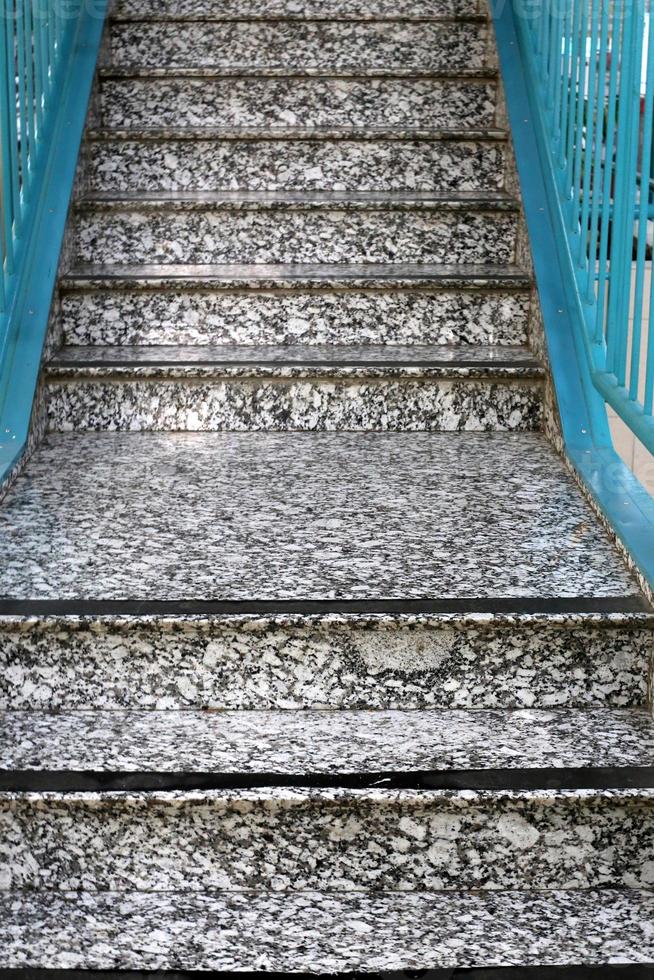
{"type": "Point", "coordinates": [314, 658]}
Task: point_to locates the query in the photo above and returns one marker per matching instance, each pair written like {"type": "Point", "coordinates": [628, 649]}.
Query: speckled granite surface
{"type": "Point", "coordinates": [307, 101]}
{"type": "Point", "coordinates": [284, 228]}
{"type": "Point", "coordinates": [325, 932]}
{"type": "Point", "coordinates": [352, 400]}
{"type": "Point", "coordinates": [332, 839]}
{"type": "Point", "coordinates": [294, 305]}
{"type": "Point", "coordinates": [328, 44]}
{"type": "Point", "coordinates": [358, 515]}
{"type": "Point", "coordinates": [329, 661]}
{"type": "Point", "coordinates": [478, 361]}
{"type": "Point", "coordinates": [239, 9]}
{"type": "Point", "coordinates": [354, 163]}
{"type": "Point", "coordinates": [324, 741]}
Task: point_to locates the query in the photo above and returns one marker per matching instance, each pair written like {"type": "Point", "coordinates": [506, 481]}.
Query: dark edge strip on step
{"type": "Point", "coordinates": [67, 781]}
{"type": "Point", "coordinates": [471, 366]}
{"type": "Point", "coordinates": [617, 971]}
{"type": "Point", "coordinates": [324, 607]}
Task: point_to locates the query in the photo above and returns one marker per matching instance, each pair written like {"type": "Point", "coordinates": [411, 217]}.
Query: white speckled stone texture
{"type": "Point", "coordinates": [319, 932]}
{"type": "Point", "coordinates": [267, 229]}
{"type": "Point", "coordinates": [332, 839]}
{"type": "Point", "coordinates": [334, 662]}
{"type": "Point", "coordinates": [237, 309]}
{"type": "Point", "coordinates": [357, 161]}
{"type": "Point", "coordinates": [336, 742]}
{"type": "Point", "coordinates": [328, 101]}
{"type": "Point", "coordinates": [328, 44]}
{"type": "Point", "coordinates": [302, 516]}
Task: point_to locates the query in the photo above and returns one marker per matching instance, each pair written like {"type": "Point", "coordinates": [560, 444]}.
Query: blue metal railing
{"type": "Point", "coordinates": [576, 102]}
{"type": "Point", "coordinates": [594, 61]}
{"type": "Point", "coordinates": [48, 52]}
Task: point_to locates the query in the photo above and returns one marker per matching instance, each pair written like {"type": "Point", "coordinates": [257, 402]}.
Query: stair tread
{"type": "Point", "coordinates": [284, 200]}
{"type": "Point", "coordinates": [303, 516]}
{"type": "Point", "coordinates": [296, 9]}
{"type": "Point", "coordinates": [263, 275]}
{"type": "Point", "coordinates": [281, 132]}
{"type": "Point", "coordinates": [325, 742]}
{"type": "Point", "coordinates": [296, 358]}
{"type": "Point", "coordinates": [292, 71]}
{"type": "Point", "coordinates": [327, 932]}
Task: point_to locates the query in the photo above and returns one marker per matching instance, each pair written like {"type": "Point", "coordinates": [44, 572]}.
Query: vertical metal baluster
{"type": "Point", "coordinates": [6, 162]}
{"type": "Point", "coordinates": [583, 255]}
{"type": "Point", "coordinates": [565, 81]}
{"type": "Point", "coordinates": [625, 190]}
{"type": "Point", "coordinates": [598, 169]}
{"type": "Point", "coordinates": [22, 101]}
{"type": "Point", "coordinates": [617, 34]}
{"type": "Point", "coordinates": [579, 120]}
{"type": "Point", "coordinates": [12, 128]}
{"type": "Point", "coordinates": [38, 64]}
{"type": "Point", "coordinates": [29, 80]}
{"type": "Point", "coordinates": [643, 218]}
{"type": "Point", "coordinates": [573, 98]}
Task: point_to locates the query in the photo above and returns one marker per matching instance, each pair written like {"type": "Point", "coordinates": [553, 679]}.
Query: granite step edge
{"type": "Point", "coordinates": [509, 749]}
{"type": "Point", "coordinates": [345, 277]}
{"type": "Point", "coordinates": [116, 72]}
{"type": "Point", "coordinates": [332, 933]}
{"type": "Point", "coordinates": [200, 200]}
{"type": "Point", "coordinates": [317, 133]}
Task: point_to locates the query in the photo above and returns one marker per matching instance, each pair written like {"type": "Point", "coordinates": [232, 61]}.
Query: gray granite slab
{"type": "Point", "coordinates": [115, 311]}
{"type": "Point", "coordinates": [353, 661]}
{"type": "Point", "coordinates": [250, 482]}
{"type": "Point", "coordinates": [295, 9]}
{"type": "Point", "coordinates": [307, 101]}
{"type": "Point", "coordinates": [477, 361]}
{"type": "Point", "coordinates": [325, 932]}
{"type": "Point", "coordinates": [291, 399]}
{"type": "Point", "coordinates": [260, 515]}
{"type": "Point", "coordinates": [327, 44]}
{"type": "Point", "coordinates": [325, 231]}
{"type": "Point", "coordinates": [295, 742]}
{"type": "Point", "coordinates": [215, 163]}
{"type": "Point", "coordinates": [335, 840]}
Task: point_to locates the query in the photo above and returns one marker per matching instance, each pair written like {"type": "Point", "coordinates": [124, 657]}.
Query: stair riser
{"type": "Point", "coordinates": [117, 317]}
{"type": "Point", "coordinates": [201, 663]}
{"type": "Point", "coordinates": [134, 102]}
{"type": "Point", "coordinates": [329, 839]}
{"type": "Point", "coordinates": [291, 44]}
{"type": "Point", "coordinates": [313, 165]}
{"type": "Point", "coordinates": [279, 405]}
{"type": "Point", "coordinates": [285, 236]}
{"type": "Point", "coordinates": [362, 10]}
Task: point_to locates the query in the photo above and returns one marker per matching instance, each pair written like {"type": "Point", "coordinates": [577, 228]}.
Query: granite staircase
{"type": "Point", "coordinates": [314, 657]}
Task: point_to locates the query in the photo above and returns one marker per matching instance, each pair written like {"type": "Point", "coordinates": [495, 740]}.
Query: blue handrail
{"type": "Point", "coordinates": [48, 52]}
{"type": "Point", "coordinates": [594, 65]}
{"type": "Point", "coordinates": [565, 80]}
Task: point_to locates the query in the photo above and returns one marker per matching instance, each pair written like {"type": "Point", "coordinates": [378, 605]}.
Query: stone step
{"type": "Point", "coordinates": [343, 305]}
{"type": "Point", "coordinates": [135, 749]}
{"type": "Point", "coordinates": [558, 935]}
{"type": "Point", "coordinates": [244, 96]}
{"type": "Point", "coordinates": [312, 570]}
{"type": "Point", "coordinates": [312, 44]}
{"type": "Point", "coordinates": [295, 159]}
{"type": "Point", "coordinates": [333, 839]}
{"type": "Point", "coordinates": [290, 389]}
{"type": "Point", "coordinates": [227, 10]}
{"type": "Point", "coordinates": [451, 801]}
{"type": "Point", "coordinates": [285, 227]}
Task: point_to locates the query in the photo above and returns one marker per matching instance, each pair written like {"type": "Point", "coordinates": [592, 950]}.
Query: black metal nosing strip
{"type": "Point", "coordinates": [543, 778]}
{"type": "Point", "coordinates": [633, 971]}
{"type": "Point", "coordinates": [309, 607]}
